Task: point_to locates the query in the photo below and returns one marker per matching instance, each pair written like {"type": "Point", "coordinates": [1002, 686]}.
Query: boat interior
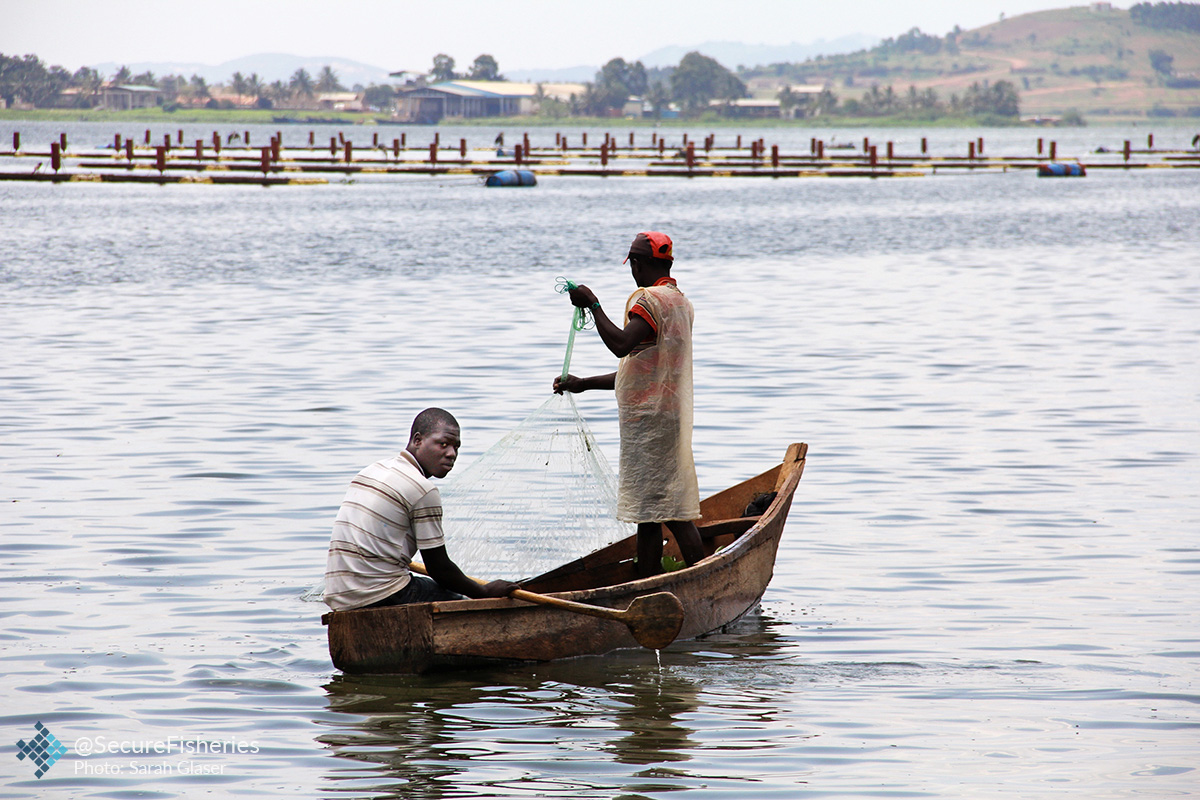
{"type": "Point", "coordinates": [725, 517]}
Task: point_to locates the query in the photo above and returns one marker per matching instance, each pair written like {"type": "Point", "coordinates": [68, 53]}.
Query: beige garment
{"type": "Point", "coordinates": [657, 480]}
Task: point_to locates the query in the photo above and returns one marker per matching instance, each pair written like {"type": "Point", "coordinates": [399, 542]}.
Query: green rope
{"type": "Point", "coordinates": [580, 320]}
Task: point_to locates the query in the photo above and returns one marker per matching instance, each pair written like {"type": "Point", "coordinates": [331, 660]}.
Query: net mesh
{"type": "Point", "coordinates": [541, 496]}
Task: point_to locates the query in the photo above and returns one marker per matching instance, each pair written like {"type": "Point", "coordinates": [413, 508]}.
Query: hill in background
{"type": "Point", "coordinates": [1094, 59]}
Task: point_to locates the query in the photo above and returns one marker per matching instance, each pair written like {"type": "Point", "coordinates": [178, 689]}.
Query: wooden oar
{"type": "Point", "coordinates": [653, 619]}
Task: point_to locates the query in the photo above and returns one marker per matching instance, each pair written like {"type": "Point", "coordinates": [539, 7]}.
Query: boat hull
{"type": "Point", "coordinates": [424, 637]}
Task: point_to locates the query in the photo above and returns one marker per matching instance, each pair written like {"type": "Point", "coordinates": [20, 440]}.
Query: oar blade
{"type": "Point", "coordinates": [655, 619]}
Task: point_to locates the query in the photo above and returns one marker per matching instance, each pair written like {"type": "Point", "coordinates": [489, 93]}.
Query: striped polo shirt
{"type": "Point", "coordinates": [391, 511]}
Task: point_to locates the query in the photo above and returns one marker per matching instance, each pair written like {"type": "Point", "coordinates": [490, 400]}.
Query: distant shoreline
{"type": "Point", "coordinates": [273, 117]}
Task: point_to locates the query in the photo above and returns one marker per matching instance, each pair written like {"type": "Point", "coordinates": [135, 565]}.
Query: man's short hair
{"type": "Point", "coordinates": [430, 421]}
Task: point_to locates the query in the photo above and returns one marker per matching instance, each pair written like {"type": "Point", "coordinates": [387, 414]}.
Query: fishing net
{"type": "Point", "coordinates": [542, 495]}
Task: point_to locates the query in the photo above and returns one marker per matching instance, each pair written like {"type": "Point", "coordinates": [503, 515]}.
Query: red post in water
{"type": "Point", "coordinates": [55, 156]}
{"type": "Point", "coordinates": [890, 151]}
{"type": "Point", "coordinates": [979, 149]}
{"type": "Point", "coordinates": [433, 152]}
{"type": "Point", "coordinates": [167, 140]}
{"type": "Point", "coordinates": [437, 139]}
{"type": "Point", "coordinates": [129, 151]}
{"type": "Point", "coordinates": [1150, 142]}
{"type": "Point", "coordinates": [518, 154]}
{"type": "Point", "coordinates": [739, 142]}
{"type": "Point", "coordinates": [775, 156]}
{"type": "Point", "coordinates": [820, 149]}
{"type": "Point", "coordinates": [691, 154]}
{"type": "Point", "coordinates": [404, 141]}
{"type": "Point", "coordinates": [62, 142]}
{"type": "Point", "coordinates": [396, 149]}
{"type": "Point", "coordinates": [16, 141]}
{"type": "Point", "coordinates": [375, 139]}
{"type": "Point", "coordinates": [754, 150]}
{"type": "Point", "coordinates": [557, 139]}
{"type": "Point", "coordinates": [312, 139]}
{"type": "Point", "coordinates": [874, 156]}
{"type": "Point", "coordinates": [525, 141]}
{"type": "Point", "coordinates": [147, 136]}
{"type": "Point", "coordinates": [971, 150]}
{"type": "Point", "coordinates": [179, 137]}
{"type": "Point", "coordinates": [604, 154]}
{"type": "Point", "coordinates": [924, 145]}
{"type": "Point", "coordinates": [708, 143]}
{"type": "Point", "coordinates": [348, 151]}
{"type": "Point", "coordinates": [160, 158]}
{"type": "Point", "coordinates": [1053, 150]}
{"type": "Point", "coordinates": [217, 142]}
{"type": "Point", "coordinates": [812, 146]}
{"type": "Point", "coordinates": [199, 149]}
{"type": "Point", "coordinates": [564, 144]}
{"type": "Point", "coordinates": [1126, 149]}
{"type": "Point", "coordinates": [585, 140]}
{"type": "Point", "coordinates": [662, 146]}
{"type": "Point", "coordinates": [866, 145]}
{"type": "Point", "coordinates": [246, 136]}
{"type": "Point", "coordinates": [276, 145]}
{"type": "Point", "coordinates": [462, 149]}
{"type": "Point", "coordinates": [264, 160]}
{"type": "Point", "coordinates": [116, 142]}
{"type": "Point", "coordinates": [1040, 145]}
{"type": "Point", "coordinates": [333, 146]}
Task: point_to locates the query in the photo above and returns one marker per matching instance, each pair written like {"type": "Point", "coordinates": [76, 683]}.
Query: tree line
{"type": "Point", "coordinates": [1167, 16]}
{"type": "Point", "coordinates": [27, 79]}
{"type": "Point", "coordinates": [691, 86]}
{"type": "Point", "coordinates": [999, 99]}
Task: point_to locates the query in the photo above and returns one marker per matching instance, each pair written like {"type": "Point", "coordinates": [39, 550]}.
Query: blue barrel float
{"type": "Point", "coordinates": [512, 177]}
{"type": "Point", "coordinates": [1057, 170]}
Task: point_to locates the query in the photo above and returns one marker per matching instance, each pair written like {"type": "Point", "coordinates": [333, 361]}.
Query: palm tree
{"type": "Point", "coordinates": [255, 86]}
{"type": "Point", "coordinates": [301, 83]}
{"type": "Point", "coordinates": [199, 87]}
{"type": "Point", "coordinates": [278, 92]}
{"type": "Point", "coordinates": [123, 76]}
{"type": "Point", "coordinates": [327, 81]}
{"type": "Point", "coordinates": [238, 84]}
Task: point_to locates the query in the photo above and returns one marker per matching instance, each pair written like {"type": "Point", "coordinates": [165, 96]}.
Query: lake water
{"type": "Point", "coordinates": [989, 585]}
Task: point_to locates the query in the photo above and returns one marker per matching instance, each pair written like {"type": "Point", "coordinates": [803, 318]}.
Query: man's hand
{"type": "Point", "coordinates": [499, 588]}
{"type": "Point", "coordinates": [583, 297]}
{"type": "Point", "coordinates": [568, 384]}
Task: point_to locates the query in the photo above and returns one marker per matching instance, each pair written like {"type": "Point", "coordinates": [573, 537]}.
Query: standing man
{"type": "Point", "coordinates": [391, 511]}
{"type": "Point", "coordinates": [653, 383]}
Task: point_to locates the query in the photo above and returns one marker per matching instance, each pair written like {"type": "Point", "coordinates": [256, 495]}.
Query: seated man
{"type": "Point", "coordinates": [391, 511]}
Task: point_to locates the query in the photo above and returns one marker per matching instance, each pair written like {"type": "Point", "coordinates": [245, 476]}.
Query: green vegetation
{"type": "Point", "coordinates": [161, 115]}
{"type": "Point", "coordinates": [1168, 16]}
{"type": "Point", "coordinates": [1092, 59]}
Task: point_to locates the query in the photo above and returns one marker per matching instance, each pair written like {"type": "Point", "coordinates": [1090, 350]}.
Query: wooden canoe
{"type": "Point", "coordinates": [714, 592]}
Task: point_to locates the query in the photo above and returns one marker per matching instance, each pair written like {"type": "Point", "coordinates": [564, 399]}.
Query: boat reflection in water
{"type": "Point", "coordinates": [555, 728]}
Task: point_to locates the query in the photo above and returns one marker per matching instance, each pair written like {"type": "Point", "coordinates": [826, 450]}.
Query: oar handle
{"type": "Point", "coordinates": [569, 605]}
{"type": "Point", "coordinates": [543, 599]}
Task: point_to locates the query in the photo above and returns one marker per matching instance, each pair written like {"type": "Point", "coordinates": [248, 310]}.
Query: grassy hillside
{"type": "Point", "coordinates": [1093, 60]}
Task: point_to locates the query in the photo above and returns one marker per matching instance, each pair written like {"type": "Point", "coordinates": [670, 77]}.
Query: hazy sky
{"type": "Point", "coordinates": [521, 34]}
